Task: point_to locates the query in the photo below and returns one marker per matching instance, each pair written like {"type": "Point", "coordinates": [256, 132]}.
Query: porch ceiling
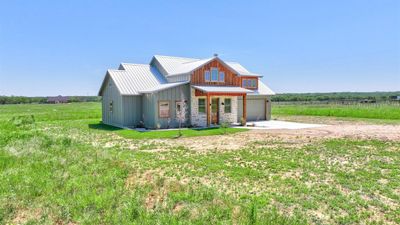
{"type": "Point", "coordinates": [222, 89]}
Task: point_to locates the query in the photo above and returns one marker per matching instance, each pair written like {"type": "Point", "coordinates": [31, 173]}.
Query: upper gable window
{"type": "Point", "coordinates": [207, 76]}
{"type": "Point", "coordinates": [214, 74]}
{"type": "Point", "coordinates": [221, 76]}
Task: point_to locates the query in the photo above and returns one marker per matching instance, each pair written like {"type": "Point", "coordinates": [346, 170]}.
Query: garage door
{"type": "Point", "coordinates": [255, 109]}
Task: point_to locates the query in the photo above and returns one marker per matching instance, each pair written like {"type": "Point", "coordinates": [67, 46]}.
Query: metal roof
{"type": "Point", "coordinates": [177, 65]}
{"type": "Point", "coordinates": [163, 87]}
{"type": "Point", "coordinates": [240, 69]}
{"type": "Point", "coordinates": [222, 89]}
{"type": "Point", "coordinates": [263, 89]}
{"type": "Point", "coordinates": [134, 77]}
{"type": "Point", "coordinates": [171, 63]}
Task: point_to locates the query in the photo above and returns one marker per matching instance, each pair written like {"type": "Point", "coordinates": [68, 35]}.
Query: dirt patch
{"type": "Point", "coordinates": [178, 207]}
{"type": "Point", "coordinates": [22, 216]}
{"type": "Point", "coordinates": [298, 137]}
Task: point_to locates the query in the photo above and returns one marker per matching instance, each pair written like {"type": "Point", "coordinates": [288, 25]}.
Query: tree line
{"type": "Point", "coordinates": [44, 100]}
{"type": "Point", "coordinates": [284, 97]}
{"type": "Point", "coordinates": [336, 96]}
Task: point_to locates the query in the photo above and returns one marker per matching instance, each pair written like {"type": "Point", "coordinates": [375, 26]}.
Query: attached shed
{"type": "Point", "coordinates": [153, 99]}
{"type": "Point", "coordinates": [132, 93]}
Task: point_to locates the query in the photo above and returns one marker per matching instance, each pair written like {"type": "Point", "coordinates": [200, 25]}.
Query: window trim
{"type": "Point", "coordinates": [214, 68]}
{"type": "Point", "coordinates": [230, 105]}
{"type": "Point", "coordinates": [248, 83]}
{"type": "Point", "coordinates": [219, 76]}
{"type": "Point", "coordinates": [169, 108]}
{"type": "Point", "coordinates": [198, 105]}
{"type": "Point", "coordinates": [209, 75]}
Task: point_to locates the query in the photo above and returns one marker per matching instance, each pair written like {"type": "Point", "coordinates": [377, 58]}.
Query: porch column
{"type": "Point", "coordinates": [244, 108]}
{"type": "Point", "coordinates": [208, 109]}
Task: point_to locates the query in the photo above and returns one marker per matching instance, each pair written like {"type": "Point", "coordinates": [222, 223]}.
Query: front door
{"type": "Point", "coordinates": [214, 110]}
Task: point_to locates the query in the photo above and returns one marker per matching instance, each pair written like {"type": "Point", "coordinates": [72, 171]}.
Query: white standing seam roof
{"type": "Point", "coordinates": [177, 65]}
{"type": "Point", "coordinates": [222, 89]}
{"type": "Point", "coordinates": [263, 89]}
{"type": "Point", "coordinates": [137, 79]}
{"type": "Point", "coordinates": [171, 63]}
{"type": "Point", "coordinates": [163, 87]}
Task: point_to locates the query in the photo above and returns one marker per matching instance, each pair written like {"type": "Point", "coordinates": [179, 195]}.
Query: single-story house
{"type": "Point", "coordinates": [205, 91]}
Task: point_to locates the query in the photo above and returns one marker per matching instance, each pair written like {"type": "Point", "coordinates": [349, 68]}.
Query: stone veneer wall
{"type": "Point", "coordinates": [228, 117]}
{"type": "Point", "coordinates": [197, 119]}
{"type": "Point", "coordinates": [200, 119]}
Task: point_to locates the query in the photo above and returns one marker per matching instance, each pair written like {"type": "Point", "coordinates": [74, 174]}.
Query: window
{"type": "Point", "coordinates": [214, 74]}
{"type": "Point", "coordinates": [111, 106]}
{"type": "Point", "coordinates": [207, 75]}
{"type": "Point", "coordinates": [227, 105]}
{"type": "Point", "coordinates": [221, 76]}
{"type": "Point", "coordinates": [249, 83]}
{"type": "Point", "coordinates": [202, 105]}
{"type": "Point", "coordinates": [163, 109]}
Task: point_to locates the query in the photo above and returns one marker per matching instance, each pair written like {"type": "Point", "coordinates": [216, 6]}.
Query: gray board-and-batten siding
{"type": "Point", "coordinates": [134, 110]}
{"type": "Point", "coordinates": [172, 95]}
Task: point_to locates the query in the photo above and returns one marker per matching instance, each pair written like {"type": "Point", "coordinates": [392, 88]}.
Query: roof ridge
{"type": "Point", "coordinates": [135, 64]}
{"type": "Point", "coordinates": [199, 60]}
{"type": "Point", "coordinates": [176, 57]}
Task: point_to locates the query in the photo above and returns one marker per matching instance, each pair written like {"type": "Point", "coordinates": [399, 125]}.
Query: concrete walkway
{"type": "Point", "coordinates": [275, 124]}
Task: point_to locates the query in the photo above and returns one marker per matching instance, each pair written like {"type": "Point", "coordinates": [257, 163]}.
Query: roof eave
{"type": "Point", "coordinates": [102, 84]}
{"type": "Point", "coordinates": [162, 89]}
{"type": "Point", "coordinates": [251, 75]}
{"type": "Point", "coordinates": [244, 91]}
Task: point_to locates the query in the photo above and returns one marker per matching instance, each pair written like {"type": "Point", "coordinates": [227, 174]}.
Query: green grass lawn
{"type": "Point", "coordinates": [173, 133]}
{"type": "Point", "coordinates": [61, 169]}
{"type": "Point", "coordinates": [379, 111]}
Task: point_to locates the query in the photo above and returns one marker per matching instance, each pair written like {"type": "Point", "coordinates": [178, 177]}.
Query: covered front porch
{"type": "Point", "coordinates": [221, 103]}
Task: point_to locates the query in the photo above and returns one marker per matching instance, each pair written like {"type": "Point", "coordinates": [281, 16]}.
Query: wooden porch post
{"type": "Point", "coordinates": [244, 108]}
{"type": "Point", "coordinates": [208, 109]}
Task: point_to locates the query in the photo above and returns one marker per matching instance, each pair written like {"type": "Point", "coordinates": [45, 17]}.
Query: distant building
{"type": "Point", "coordinates": [368, 101]}
{"type": "Point", "coordinates": [57, 99]}
{"type": "Point", "coordinates": [395, 98]}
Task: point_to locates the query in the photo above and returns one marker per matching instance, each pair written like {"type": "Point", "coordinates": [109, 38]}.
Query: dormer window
{"type": "Point", "coordinates": [214, 74]}
{"type": "Point", "coordinates": [249, 83]}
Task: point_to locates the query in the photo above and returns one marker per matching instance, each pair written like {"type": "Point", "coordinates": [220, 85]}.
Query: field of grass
{"type": "Point", "coordinates": [173, 133]}
{"type": "Point", "coordinates": [378, 111]}
{"type": "Point", "coordinates": [61, 168]}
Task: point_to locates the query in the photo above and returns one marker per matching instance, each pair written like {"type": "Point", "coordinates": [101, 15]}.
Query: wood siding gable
{"type": "Point", "coordinates": [231, 78]}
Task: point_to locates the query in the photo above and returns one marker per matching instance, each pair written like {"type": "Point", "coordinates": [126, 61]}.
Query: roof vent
{"type": "Point", "coordinates": [215, 55]}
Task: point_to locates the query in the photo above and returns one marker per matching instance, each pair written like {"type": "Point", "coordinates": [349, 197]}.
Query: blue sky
{"type": "Point", "coordinates": [65, 47]}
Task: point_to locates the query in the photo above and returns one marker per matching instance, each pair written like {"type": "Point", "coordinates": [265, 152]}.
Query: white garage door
{"type": "Point", "coordinates": [255, 109]}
